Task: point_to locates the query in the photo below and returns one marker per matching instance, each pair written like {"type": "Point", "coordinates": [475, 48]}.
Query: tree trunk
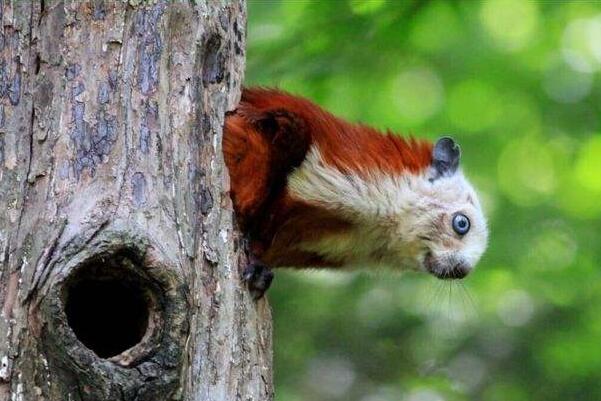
{"type": "Point", "coordinates": [119, 255]}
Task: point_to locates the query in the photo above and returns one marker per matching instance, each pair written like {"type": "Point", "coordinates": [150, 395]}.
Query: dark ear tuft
{"type": "Point", "coordinates": [445, 156]}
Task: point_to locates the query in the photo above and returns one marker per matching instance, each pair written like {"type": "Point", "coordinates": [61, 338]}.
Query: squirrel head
{"type": "Point", "coordinates": [444, 221]}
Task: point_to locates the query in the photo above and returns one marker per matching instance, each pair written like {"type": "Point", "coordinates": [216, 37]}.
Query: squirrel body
{"type": "Point", "coordinates": [312, 190]}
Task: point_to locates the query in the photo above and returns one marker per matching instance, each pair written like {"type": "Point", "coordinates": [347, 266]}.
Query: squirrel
{"type": "Point", "coordinates": [311, 190]}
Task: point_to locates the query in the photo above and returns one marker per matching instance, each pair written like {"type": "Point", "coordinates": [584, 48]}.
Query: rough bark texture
{"type": "Point", "coordinates": [111, 173]}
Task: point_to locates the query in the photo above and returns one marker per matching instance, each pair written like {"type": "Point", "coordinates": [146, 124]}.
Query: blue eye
{"type": "Point", "coordinates": [461, 224]}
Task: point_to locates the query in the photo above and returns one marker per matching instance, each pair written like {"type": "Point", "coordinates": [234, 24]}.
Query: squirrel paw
{"type": "Point", "coordinates": [257, 277]}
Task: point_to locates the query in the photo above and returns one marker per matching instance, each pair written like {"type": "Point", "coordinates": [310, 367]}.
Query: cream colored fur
{"type": "Point", "coordinates": [399, 219]}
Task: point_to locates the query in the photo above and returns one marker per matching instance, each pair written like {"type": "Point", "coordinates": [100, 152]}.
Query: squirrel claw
{"type": "Point", "coordinates": [257, 277]}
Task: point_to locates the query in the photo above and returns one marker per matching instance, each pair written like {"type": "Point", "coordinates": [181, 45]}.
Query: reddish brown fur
{"type": "Point", "coordinates": [353, 147]}
{"type": "Point", "coordinates": [291, 223]}
{"type": "Point", "coordinates": [267, 137]}
{"type": "Point", "coordinates": [247, 155]}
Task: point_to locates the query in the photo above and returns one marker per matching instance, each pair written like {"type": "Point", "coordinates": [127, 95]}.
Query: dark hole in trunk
{"type": "Point", "coordinates": [107, 308]}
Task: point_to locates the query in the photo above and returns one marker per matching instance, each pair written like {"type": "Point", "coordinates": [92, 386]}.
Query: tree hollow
{"type": "Point", "coordinates": [108, 311]}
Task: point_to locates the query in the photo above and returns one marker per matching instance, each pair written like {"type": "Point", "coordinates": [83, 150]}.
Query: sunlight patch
{"type": "Point", "coordinates": [512, 24]}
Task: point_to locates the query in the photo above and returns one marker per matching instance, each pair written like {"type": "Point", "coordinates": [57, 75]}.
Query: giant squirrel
{"type": "Point", "coordinates": [312, 190]}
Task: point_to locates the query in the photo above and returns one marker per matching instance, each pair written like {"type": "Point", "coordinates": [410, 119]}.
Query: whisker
{"type": "Point", "coordinates": [459, 304]}
{"type": "Point", "coordinates": [465, 307]}
{"type": "Point", "coordinates": [449, 305]}
{"type": "Point", "coordinates": [435, 303]}
{"type": "Point", "coordinates": [470, 300]}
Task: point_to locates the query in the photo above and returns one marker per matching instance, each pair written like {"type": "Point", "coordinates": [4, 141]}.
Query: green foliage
{"type": "Point", "coordinates": [517, 83]}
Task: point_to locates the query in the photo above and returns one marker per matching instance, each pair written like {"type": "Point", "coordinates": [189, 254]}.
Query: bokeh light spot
{"type": "Point", "coordinates": [580, 194]}
{"type": "Point", "coordinates": [515, 308]}
{"type": "Point", "coordinates": [375, 306]}
{"type": "Point", "coordinates": [327, 278]}
{"type": "Point", "coordinates": [565, 85]}
{"type": "Point", "coordinates": [552, 249]}
{"type": "Point", "coordinates": [512, 24]}
{"type": "Point", "coordinates": [362, 7]}
{"type": "Point", "coordinates": [594, 34]}
{"type": "Point", "coordinates": [581, 44]}
{"type": "Point", "coordinates": [383, 393]}
{"type": "Point", "coordinates": [468, 371]}
{"type": "Point", "coordinates": [526, 171]}
{"type": "Point", "coordinates": [578, 201]}
{"type": "Point", "coordinates": [330, 377]}
{"type": "Point", "coordinates": [417, 94]}
{"type": "Point", "coordinates": [588, 165]}
{"type": "Point", "coordinates": [265, 33]}
{"type": "Point", "coordinates": [424, 394]}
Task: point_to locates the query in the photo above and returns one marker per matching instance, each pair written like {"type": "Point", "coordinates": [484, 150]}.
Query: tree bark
{"type": "Point", "coordinates": [113, 198]}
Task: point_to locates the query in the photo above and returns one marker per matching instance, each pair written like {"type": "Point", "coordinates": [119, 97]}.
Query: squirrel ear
{"type": "Point", "coordinates": [445, 156]}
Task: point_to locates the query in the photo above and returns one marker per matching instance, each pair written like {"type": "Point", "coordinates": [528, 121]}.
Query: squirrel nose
{"type": "Point", "coordinates": [447, 269]}
{"type": "Point", "coordinates": [460, 270]}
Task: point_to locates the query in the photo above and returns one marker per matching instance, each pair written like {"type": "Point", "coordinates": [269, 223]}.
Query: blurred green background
{"type": "Point", "coordinates": [518, 84]}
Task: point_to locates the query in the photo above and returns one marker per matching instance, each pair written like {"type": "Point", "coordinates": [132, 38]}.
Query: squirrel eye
{"type": "Point", "coordinates": [461, 224]}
